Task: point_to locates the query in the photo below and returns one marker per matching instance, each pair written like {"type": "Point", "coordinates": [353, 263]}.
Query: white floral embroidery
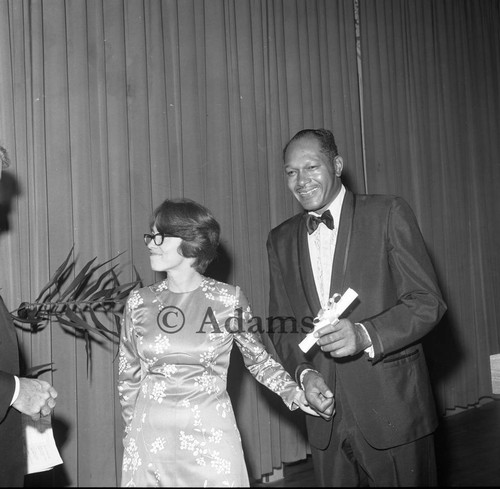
{"type": "Point", "coordinates": [228, 299]}
{"type": "Point", "coordinates": [161, 344]}
{"type": "Point", "coordinates": [162, 286]}
{"type": "Point", "coordinates": [158, 445]}
{"type": "Point", "coordinates": [185, 403]}
{"type": "Point", "coordinates": [247, 314]}
{"type": "Point", "coordinates": [216, 436]}
{"type": "Point", "coordinates": [151, 361]}
{"type": "Point", "coordinates": [131, 459]}
{"type": "Point", "coordinates": [134, 300]}
{"type": "Point", "coordinates": [207, 358]}
{"type": "Point", "coordinates": [198, 446]}
{"type": "Point", "coordinates": [221, 465]}
{"type": "Point", "coordinates": [220, 335]}
{"type": "Point", "coordinates": [123, 363]}
{"type": "Point", "coordinates": [207, 383]}
{"type": "Point", "coordinates": [197, 415]}
{"type": "Point", "coordinates": [157, 477]}
{"type": "Point", "coordinates": [159, 391]}
{"type": "Point", "coordinates": [187, 441]}
{"type": "Point", "coordinates": [224, 408]}
{"type": "Point", "coordinates": [217, 291]}
{"type": "Point", "coordinates": [168, 369]}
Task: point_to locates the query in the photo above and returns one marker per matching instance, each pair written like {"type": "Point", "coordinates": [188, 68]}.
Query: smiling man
{"type": "Point", "coordinates": [367, 378]}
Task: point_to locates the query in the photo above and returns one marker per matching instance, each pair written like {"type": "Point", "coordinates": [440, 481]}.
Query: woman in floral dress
{"type": "Point", "coordinates": [176, 340]}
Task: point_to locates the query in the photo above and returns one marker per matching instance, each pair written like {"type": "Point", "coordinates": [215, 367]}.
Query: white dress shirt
{"type": "Point", "coordinates": [16, 390]}
{"type": "Point", "coordinates": [322, 244]}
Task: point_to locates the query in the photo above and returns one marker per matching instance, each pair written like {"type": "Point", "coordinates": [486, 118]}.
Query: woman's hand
{"type": "Point", "coordinates": [300, 400]}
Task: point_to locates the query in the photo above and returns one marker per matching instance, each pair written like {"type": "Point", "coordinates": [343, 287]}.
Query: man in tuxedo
{"type": "Point", "coordinates": [367, 377]}
{"type": "Point", "coordinates": [18, 395]}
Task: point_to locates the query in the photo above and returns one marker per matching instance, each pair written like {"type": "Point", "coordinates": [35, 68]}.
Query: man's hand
{"type": "Point", "coordinates": [300, 400]}
{"type": "Point", "coordinates": [319, 397]}
{"type": "Point", "coordinates": [36, 398]}
{"type": "Point", "coordinates": [342, 339]}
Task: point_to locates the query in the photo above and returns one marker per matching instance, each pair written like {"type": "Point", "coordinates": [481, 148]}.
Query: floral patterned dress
{"type": "Point", "coordinates": [180, 428]}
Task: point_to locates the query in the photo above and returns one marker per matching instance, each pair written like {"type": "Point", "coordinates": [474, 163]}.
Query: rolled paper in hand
{"type": "Point", "coordinates": [330, 315]}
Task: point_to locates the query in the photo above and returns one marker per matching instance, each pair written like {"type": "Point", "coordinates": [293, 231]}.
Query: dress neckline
{"type": "Point", "coordinates": [163, 285]}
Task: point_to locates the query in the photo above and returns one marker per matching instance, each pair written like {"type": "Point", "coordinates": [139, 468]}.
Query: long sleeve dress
{"type": "Point", "coordinates": [180, 429]}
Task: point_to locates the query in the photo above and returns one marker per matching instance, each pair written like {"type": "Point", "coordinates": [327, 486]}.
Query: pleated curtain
{"type": "Point", "coordinates": [108, 107]}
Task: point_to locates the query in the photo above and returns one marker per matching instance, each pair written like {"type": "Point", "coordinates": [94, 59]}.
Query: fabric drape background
{"type": "Point", "coordinates": [107, 107]}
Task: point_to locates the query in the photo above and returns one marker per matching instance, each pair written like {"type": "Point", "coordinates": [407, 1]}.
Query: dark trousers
{"type": "Point", "coordinates": [349, 461]}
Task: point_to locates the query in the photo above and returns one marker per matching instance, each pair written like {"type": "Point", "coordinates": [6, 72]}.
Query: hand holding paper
{"type": "Point", "coordinates": [330, 315]}
{"type": "Point", "coordinates": [41, 450]}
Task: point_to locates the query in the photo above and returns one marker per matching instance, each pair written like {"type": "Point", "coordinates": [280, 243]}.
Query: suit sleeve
{"type": "Point", "coordinates": [7, 387]}
{"type": "Point", "coordinates": [9, 363]}
{"type": "Point", "coordinates": [282, 321]}
{"type": "Point", "coordinates": [419, 305]}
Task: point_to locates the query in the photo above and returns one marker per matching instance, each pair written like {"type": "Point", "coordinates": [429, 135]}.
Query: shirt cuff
{"type": "Point", "coordinates": [16, 390]}
{"type": "Point", "coordinates": [302, 375]}
{"type": "Point", "coordinates": [370, 350]}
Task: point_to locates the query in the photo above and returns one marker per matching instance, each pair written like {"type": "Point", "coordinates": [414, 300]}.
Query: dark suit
{"type": "Point", "coordinates": [380, 253]}
{"type": "Point", "coordinates": [12, 458]}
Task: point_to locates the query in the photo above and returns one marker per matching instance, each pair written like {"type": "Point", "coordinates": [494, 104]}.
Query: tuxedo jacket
{"type": "Point", "coordinates": [380, 253]}
{"type": "Point", "coordinates": [12, 457]}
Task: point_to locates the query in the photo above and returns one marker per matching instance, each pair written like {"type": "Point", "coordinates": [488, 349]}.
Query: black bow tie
{"type": "Point", "coordinates": [312, 221]}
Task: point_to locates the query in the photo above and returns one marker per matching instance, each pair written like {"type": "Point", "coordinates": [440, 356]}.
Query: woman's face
{"type": "Point", "coordinates": [167, 256]}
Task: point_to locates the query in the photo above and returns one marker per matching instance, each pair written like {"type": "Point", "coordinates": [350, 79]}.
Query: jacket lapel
{"type": "Point", "coordinates": [342, 246]}
{"type": "Point", "coordinates": [305, 268]}
{"type": "Point", "coordinates": [337, 282]}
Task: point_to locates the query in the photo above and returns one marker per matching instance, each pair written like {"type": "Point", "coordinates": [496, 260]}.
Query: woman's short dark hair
{"type": "Point", "coordinates": [192, 222]}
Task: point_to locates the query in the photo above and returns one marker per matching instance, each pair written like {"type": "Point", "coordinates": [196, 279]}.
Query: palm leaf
{"type": "Point", "coordinates": [30, 372]}
{"type": "Point", "coordinates": [99, 324]}
{"type": "Point", "coordinates": [101, 295]}
{"type": "Point", "coordinates": [79, 322]}
{"type": "Point", "coordinates": [59, 283]}
{"type": "Point", "coordinates": [83, 298]}
{"type": "Point", "coordinates": [56, 275]}
{"type": "Point", "coordinates": [78, 279]}
{"type": "Point", "coordinates": [93, 288]}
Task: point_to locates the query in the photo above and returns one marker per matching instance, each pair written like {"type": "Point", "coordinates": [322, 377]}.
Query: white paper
{"type": "Point", "coordinates": [495, 373]}
{"type": "Point", "coordinates": [345, 301]}
{"type": "Point", "coordinates": [41, 450]}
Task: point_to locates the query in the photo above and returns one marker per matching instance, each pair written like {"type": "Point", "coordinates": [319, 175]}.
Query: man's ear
{"type": "Point", "coordinates": [338, 164]}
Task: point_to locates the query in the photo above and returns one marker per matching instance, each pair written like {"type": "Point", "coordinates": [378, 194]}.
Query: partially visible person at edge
{"type": "Point", "coordinates": [176, 340]}
{"type": "Point", "coordinates": [368, 378]}
{"type": "Point", "coordinates": [18, 395]}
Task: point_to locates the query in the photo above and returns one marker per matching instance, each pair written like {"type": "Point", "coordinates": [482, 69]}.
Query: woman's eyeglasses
{"type": "Point", "coordinates": [157, 238]}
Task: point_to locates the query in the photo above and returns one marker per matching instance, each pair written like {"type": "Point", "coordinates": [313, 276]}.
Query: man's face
{"type": "Point", "coordinates": [312, 179]}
